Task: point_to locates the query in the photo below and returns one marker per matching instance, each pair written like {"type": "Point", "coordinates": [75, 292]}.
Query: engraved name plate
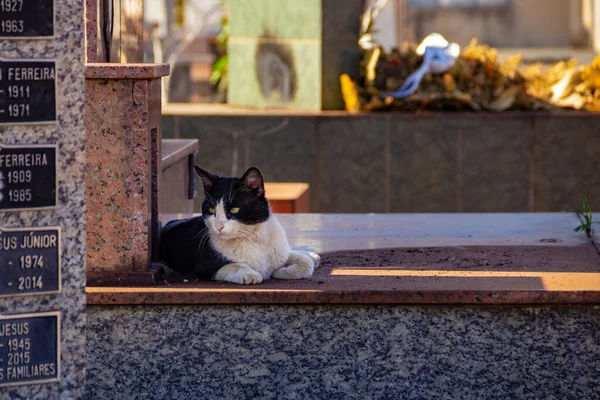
{"type": "Point", "coordinates": [29, 261]}
{"type": "Point", "coordinates": [27, 91]}
{"type": "Point", "coordinates": [28, 177]}
{"type": "Point", "coordinates": [27, 19]}
{"type": "Point", "coordinates": [29, 348]}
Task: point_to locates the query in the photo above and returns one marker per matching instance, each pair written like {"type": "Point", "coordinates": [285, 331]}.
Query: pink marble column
{"type": "Point", "coordinates": [91, 31]}
{"type": "Point", "coordinates": [122, 122]}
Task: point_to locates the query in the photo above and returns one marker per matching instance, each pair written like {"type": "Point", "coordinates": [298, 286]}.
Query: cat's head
{"type": "Point", "coordinates": [232, 207]}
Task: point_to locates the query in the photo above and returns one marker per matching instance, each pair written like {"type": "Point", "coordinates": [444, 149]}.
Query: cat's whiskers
{"type": "Point", "coordinates": [210, 199]}
{"type": "Point", "coordinates": [204, 242]}
{"type": "Point", "coordinates": [203, 236]}
{"type": "Point", "coordinates": [246, 233]}
{"type": "Point", "coordinates": [200, 236]}
{"type": "Point", "coordinates": [234, 193]}
{"type": "Point", "coordinates": [197, 236]}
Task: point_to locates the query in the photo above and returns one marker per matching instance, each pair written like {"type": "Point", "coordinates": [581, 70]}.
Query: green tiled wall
{"type": "Point", "coordinates": [315, 31]}
{"type": "Point", "coordinates": [282, 19]}
{"type": "Point", "coordinates": [244, 88]}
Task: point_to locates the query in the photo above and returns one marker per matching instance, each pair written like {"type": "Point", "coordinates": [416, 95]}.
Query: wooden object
{"type": "Point", "coordinates": [288, 197]}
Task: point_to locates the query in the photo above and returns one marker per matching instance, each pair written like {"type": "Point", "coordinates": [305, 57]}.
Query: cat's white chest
{"type": "Point", "coordinates": [266, 252]}
{"type": "Point", "coordinates": [260, 256]}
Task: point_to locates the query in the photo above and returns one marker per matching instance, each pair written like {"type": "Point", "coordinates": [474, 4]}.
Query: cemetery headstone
{"type": "Point", "coordinates": [42, 200]}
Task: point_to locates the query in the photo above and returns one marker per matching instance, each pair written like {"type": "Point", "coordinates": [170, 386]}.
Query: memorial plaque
{"type": "Point", "coordinates": [42, 197]}
{"type": "Point", "coordinates": [27, 19]}
{"type": "Point", "coordinates": [29, 261]}
{"type": "Point", "coordinates": [28, 177]}
{"type": "Point", "coordinates": [29, 348]}
{"type": "Point", "coordinates": [27, 91]}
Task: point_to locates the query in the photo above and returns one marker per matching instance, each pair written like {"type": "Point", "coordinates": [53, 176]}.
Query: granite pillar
{"type": "Point", "coordinates": [42, 202]}
{"type": "Point", "coordinates": [122, 119]}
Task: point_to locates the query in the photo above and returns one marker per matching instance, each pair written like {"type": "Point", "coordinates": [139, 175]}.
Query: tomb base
{"type": "Point", "coordinates": [122, 120]}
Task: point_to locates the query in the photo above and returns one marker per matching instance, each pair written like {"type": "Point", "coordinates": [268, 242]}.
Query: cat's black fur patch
{"type": "Point", "coordinates": [185, 248]}
{"type": "Point", "coordinates": [185, 244]}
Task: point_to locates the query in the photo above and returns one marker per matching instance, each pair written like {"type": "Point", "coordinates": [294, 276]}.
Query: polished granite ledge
{"type": "Point", "coordinates": [173, 150]}
{"type": "Point", "coordinates": [412, 259]}
{"type": "Point", "coordinates": [125, 71]}
{"type": "Point", "coordinates": [207, 296]}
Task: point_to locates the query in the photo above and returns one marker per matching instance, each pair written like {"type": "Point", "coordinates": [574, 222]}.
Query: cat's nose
{"type": "Point", "coordinates": [220, 228]}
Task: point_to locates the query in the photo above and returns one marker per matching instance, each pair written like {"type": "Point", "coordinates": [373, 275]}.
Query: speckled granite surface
{"type": "Point", "coordinates": [120, 153]}
{"type": "Point", "coordinates": [91, 31]}
{"type": "Point", "coordinates": [529, 258]}
{"type": "Point", "coordinates": [343, 352]}
{"type": "Point", "coordinates": [69, 134]}
{"type": "Point", "coordinates": [126, 71]}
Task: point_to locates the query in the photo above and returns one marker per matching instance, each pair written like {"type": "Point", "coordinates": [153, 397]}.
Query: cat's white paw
{"type": "Point", "coordinates": [238, 273]}
{"type": "Point", "coordinates": [315, 258]}
{"type": "Point", "coordinates": [294, 271]}
{"type": "Point", "coordinates": [250, 278]}
{"type": "Point", "coordinates": [300, 265]}
{"type": "Point", "coordinates": [309, 252]}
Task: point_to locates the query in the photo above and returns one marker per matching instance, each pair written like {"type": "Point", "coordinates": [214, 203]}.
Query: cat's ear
{"type": "Point", "coordinates": [253, 181]}
{"type": "Point", "coordinates": [208, 179]}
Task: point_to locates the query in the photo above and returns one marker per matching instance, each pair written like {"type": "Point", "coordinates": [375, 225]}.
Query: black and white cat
{"type": "Point", "coordinates": [236, 239]}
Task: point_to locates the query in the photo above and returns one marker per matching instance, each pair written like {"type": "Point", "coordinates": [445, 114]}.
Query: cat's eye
{"type": "Point", "coordinates": [211, 210]}
{"type": "Point", "coordinates": [235, 210]}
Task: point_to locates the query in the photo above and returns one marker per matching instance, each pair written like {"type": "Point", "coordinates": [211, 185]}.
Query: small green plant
{"type": "Point", "coordinates": [586, 220]}
{"type": "Point", "coordinates": [219, 75]}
